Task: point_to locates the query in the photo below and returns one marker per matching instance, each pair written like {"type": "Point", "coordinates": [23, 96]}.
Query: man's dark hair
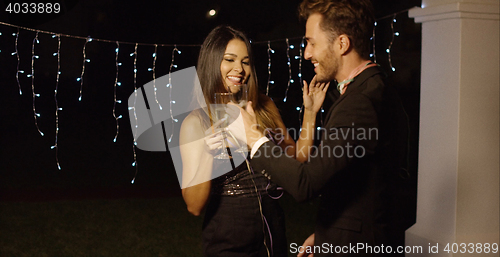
{"type": "Point", "coordinates": [355, 18]}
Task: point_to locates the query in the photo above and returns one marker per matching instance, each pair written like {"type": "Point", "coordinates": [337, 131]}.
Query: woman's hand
{"type": "Point", "coordinates": [314, 95]}
{"type": "Point", "coordinates": [308, 244]}
{"type": "Point", "coordinates": [213, 138]}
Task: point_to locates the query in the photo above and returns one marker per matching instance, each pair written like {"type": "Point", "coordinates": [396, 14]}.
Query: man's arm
{"type": "Point", "coordinates": [344, 132]}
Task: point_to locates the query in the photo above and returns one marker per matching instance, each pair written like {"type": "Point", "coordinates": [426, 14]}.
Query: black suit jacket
{"type": "Point", "coordinates": [356, 169]}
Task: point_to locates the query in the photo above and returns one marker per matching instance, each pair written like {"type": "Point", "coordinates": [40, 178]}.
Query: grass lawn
{"type": "Point", "coordinates": [118, 227]}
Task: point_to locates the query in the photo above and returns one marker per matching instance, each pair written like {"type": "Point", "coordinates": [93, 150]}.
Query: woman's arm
{"type": "Point", "coordinates": [197, 162]}
{"type": "Point", "coordinates": [313, 96]}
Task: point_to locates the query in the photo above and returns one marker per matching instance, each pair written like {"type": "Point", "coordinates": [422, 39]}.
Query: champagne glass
{"type": "Point", "coordinates": [241, 97]}
{"type": "Point", "coordinates": [219, 113]}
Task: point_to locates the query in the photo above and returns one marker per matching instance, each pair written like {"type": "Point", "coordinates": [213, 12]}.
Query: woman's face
{"type": "Point", "coordinates": [235, 65]}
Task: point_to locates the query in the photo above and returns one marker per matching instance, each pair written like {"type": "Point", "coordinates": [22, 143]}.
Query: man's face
{"type": "Point", "coordinates": [320, 50]}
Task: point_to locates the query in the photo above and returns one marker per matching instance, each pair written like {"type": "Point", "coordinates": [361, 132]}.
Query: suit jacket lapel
{"type": "Point", "coordinates": [360, 79]}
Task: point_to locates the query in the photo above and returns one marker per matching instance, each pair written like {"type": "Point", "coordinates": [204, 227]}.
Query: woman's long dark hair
{"type": "Point", "coordinates": [208, 70]}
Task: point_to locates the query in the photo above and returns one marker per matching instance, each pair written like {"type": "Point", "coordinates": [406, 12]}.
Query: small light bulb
{"type": "Point", "coordinates": [212, 12]}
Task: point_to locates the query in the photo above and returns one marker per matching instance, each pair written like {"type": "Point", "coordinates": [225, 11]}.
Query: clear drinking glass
{"type": "Point", "coordinates": [219, 113]}
{"type": "Point", "coordinates": [241, 98]}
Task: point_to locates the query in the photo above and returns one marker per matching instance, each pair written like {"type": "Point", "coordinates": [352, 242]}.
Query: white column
{"type": "Point", "coordinates": [458, 191]}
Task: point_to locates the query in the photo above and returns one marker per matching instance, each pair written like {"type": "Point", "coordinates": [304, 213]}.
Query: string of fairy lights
{"type": "Point", "coordinates": [58, 54]}
{"type": "Point", "coordinates": [134, 164]}
{"type": "Point", "coordinates": [175, 51]}
{"type": "Point", "coordinates": [170, 86]}
{"type": "Point", "coordinates": [269, 51]}
{"type": "Point", "coordinates": [117, 83]}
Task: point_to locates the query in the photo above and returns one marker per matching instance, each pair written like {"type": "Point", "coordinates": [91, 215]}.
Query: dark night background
{"type": "Point", "coordinates": [89, 159]}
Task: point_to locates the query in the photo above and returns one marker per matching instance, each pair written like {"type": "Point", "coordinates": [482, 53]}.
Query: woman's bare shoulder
{"type": "Point", "coordinates": [192, 126]}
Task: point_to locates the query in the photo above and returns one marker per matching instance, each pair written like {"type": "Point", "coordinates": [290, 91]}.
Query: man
{"type": "Point", "coordinates": [356, 169]}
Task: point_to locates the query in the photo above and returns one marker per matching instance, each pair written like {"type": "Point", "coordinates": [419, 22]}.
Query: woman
{"type": "Point", "coordinates": [242, 218]}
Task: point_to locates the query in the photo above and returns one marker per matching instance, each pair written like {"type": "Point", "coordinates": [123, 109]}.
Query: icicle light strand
{"type": "Point", "coordinates": [172, 65]}
{"type": "Point", "coordinates": [85, 60]}
{"type": "Point", "coordinates": [154, 77]}
{"type": "Point", "coordinates": [55, 146]}
{"type": "Point", "coordinates": [269, 51]}
{"type": "Point", "coordinates": [117, 64]}
{"type": "Point", "coordinates": [18, 62]}
{"type": "Point", "coordinates": [392, 41]}
{"type": "Point", "coordinates": [134, 164]}
{"type": "Point", "coordinates": [301, 56]}
{"type": "Point", "coordinates": [32, 75]}
{"type": "Point", "coordinates": [374, 54]}
{"type": "Point", "coordinates": [301, 108]}
{"type": "Point", "coordinates": [289, 69]}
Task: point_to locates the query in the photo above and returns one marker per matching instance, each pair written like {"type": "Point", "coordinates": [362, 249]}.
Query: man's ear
{"type": "Point", "coordinates": [343, 44]}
